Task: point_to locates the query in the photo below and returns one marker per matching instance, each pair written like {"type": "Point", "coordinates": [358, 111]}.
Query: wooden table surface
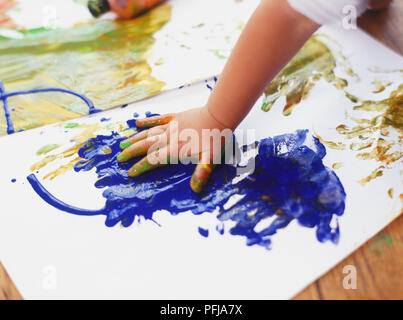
{"type": "Point", "coordinates": [379, 262]}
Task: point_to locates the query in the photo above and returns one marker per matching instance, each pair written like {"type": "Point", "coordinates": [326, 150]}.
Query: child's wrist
{"type": "Point", "coordinates": [219, 123]}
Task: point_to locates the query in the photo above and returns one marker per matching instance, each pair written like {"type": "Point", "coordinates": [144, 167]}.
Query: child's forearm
{"type": "Point", "coordinates": [273, 35]}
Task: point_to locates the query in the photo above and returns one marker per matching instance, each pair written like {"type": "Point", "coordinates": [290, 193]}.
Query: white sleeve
{"type": "Point", "coordinates": [326, 11]}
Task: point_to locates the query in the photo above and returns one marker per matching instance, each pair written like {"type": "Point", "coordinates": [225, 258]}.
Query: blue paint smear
{"type": "Point", "coordinates": [13, 180]}
{"type": "Point", "coordinates": [290, 182]}
{"type": "Point", "coordinates": [4, 96]}
{"type": "Point", "coordinates": [203, 232]}
{"type": "Point", "coordinates": [104, 119]}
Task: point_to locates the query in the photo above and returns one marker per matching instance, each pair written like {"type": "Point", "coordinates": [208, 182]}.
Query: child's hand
{"type": "Point", "coordinates": [175, 137]}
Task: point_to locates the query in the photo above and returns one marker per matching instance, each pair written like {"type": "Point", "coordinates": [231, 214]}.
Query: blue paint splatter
{"type": "Point", "coordinates": [13, 180]}
{"type": "Point", "coordinates": [290, 182]}
{"type": "Point", "coordinates": [203, 232]}
{"type": "Point", "coordinates": [105, 119]}
{"type": "Point", "coordinates": [4, 96]}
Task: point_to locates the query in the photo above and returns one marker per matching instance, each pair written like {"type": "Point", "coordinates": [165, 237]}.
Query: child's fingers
{"type": "Point", "coordinates": [141, 147]}
{"type": "Point", "coordinates": [142, 135]}
{"type": "Point", "coordinates": [202, 173]}
{"type": "Point", "coordinates": [152, 161]}
{"type": "Point", "coordinates": [154, 121]}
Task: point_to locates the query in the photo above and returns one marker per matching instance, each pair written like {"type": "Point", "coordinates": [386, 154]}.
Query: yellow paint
{"type": "Point", "coordinates": [374, 174]}
{"type": "Point", "coordinates": [337, 165]}
{"type": "Point", "coordinates": [104, 60]}
{"type": "Point", "coordinates": [79, 140]}
{"type": "Point", "coordinates": [313, 62]}
{"type": "Point", "coordinates": [62, 169]}
{"type": "Point", "coordinates": [383, 116]}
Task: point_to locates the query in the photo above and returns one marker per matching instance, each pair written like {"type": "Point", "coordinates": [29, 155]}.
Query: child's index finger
{"type": "Point", "coordinates": [154, 121]}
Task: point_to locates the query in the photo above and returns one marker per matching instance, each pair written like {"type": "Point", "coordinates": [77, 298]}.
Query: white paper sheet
{"type": "Point", "coordinates": [193, 45]}
{"type": "Point", "coordinates": [51, 254]}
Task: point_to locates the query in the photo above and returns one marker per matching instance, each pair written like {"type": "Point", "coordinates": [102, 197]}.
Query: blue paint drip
{"type": "Point", "coordinates": [4, 96]}
{"type": "Point", "coordinates": [290, 182]}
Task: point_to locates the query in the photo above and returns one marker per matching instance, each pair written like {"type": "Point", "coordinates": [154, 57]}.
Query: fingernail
{"type": "Point", "coordinates": [195, 185]}
{"type": "Point", "coordinates": [123, 157]}
{"type": "Point", "coordinates": [139, 168]}
{"type": "Point", "coordinates": [124, 144]}
{"type": "Point", "coordinates": [198, 181]}
{"type": "Point", "coordinates": [133, 172]}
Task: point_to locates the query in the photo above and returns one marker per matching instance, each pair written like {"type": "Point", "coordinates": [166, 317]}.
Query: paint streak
{"type": "Point", "coordinates": [47, 148]}
{"type": "Point", "coordinates": [337, 165]}
{"type": "Point", "coordinates": [78, 141]}
{"type": "Point", "coordinates": [289, 183]}
{"type": "Point", "coordinates": [5, 96]}
{"type": "Point", "coordinates": [71, 125]}
{"type": "Point", "coordinates": [382, 119]}
{"type": "Point", "coordinates": [103, 60]}
{"type": "Point", "coordinates": [331, 144]}
{"type": "Point", "coordinates": [313, 62]}
{"type": "Point", "coordinates": [62, 169]}
{"type": "Point", "coordinates": [380, 86]}
{"type": "Point", "coordinates": [378, 172]}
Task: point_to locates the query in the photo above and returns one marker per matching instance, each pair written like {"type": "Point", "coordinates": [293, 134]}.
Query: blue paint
{"type": "Point", "coordinates": [13, 180]}
{"type": "Point", "coordinates": [49, 198]}
{"type": "Point", "coordinates": [290, 182]}
{"type": "Point", "coordinates": [203, 232]}
{"type": "Point", "coordinates": [4, 96]}
{"type": "Point", "coordinates": [105, 119]}
{"type": "Point", "coordinates": [220, 228]}
{"type": "Point", "coordinates": [7, 115]}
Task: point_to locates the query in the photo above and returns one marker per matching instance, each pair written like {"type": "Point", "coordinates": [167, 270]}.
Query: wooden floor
{"type": "Point", "coordinates": [379, 262]}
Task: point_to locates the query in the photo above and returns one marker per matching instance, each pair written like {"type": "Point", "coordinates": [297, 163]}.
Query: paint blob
{"type": "Point", "coordinates": [290, 182]}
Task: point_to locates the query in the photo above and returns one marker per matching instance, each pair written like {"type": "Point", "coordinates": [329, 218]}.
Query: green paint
{"type": "Point", "coordinates": [381, 241]}
{"type": "Point", "coordinates": [381, 117]}
{"type": "Point", "coordinates": [47, 148]}
{"type": "Point", "coordinates": [71, 125]}
{"type": "Point", "coordinates": [123, 157]}
{"type": "Point", "coordinates": [313, 62]}
{"type": "Point", "coordinates": [218, 54]}
{"type": "Point", "coordinates": [125, 144]}
{"type": "Point", "coordinates": [104, 60]}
